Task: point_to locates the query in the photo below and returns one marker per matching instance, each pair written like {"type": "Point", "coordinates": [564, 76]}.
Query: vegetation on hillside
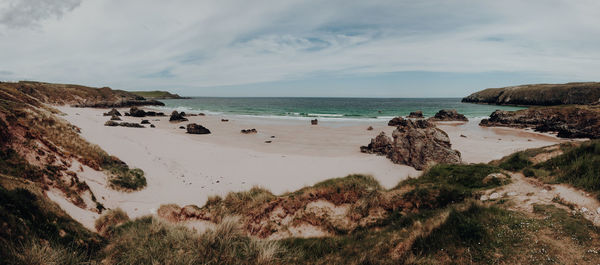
{"type": "Point", "coordinates": [156, 94]}
{"type": "Point", "coordinates": [539, 94]}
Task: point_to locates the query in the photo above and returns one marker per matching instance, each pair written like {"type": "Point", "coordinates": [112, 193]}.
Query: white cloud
{"type": "Point", "coordinates": [141, 44]}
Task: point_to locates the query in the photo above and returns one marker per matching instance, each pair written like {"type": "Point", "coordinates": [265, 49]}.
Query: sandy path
{"type": "Point", "coordinates": [528, 191]}
{"type": "Point", "coordinates": [187, 169]}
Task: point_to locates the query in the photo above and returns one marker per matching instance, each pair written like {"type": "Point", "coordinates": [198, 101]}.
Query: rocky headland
{"type": "Point", "coordinates": [539, 94]}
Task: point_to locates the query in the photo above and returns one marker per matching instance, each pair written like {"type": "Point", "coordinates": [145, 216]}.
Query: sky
{"type": "Point", "coordinates": [333, 48]}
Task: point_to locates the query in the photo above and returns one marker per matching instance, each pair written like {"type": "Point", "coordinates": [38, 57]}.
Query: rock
{"type": "Point", "coordinates": [370, 128]}
{"type": "Point", "coordinates": [201, 114]}
{"type": "Point", "coordinates": [183, 114]}
{"type": "Point", "coordinates": [584, 210]}
{"type": "Point", "coordinates": [115, 118]}
{"type": "Point", "coordinates": [272, 136]}
{"type": "Point", "coordinates": [177, 117]}
{"type": "Point", "coordinates": [463, 136]}
{"type": "Point", "coordinates": [598, 210]}
{"type": "Point", "coordinates": [484, 198]}
{"type": "Point", "coordinates": [247, 131]}
{"type": "Point", "coordinates": [224, 120]}
{"type": "Point", "coordinates": [417, 143]}
{"type": "Point", "coordinates": [512, 193]}
{"type": "Point", "coordinates": [396, 121]}
{"type": "Point", "coordinates": [152, 126]}
{"type": "Point", "coordinates": [181, 127]}
{"type": "Point", "coordinates": [111, 123]}
{"type": "Point", "coordinates": [131, 124]}
{"type": "Point", "coordinates": [193, 128]}
{"type": "Point", "coordinates": [448, 115]}
{"type": "Point", "coordinates": [494, 176]}
{"type": "Point", "coordinates": [145, 122]}
{"type": "Point", "coordinates": [416, 115]}
{"type": "Point", "coordinates": [112, 112]}
{"type": "Point", "coordinates": [123, 124]}
{"type": "Point", "coordinates": [494, 196]}
{"type": "Point", "coordinates": [135, 112]}
{"type": "Point", "coordinates": [268, 142]}
{"type": "Point", "coordinates": [314, 122]}
{"type": "Point", "coordinates": [567, 121]}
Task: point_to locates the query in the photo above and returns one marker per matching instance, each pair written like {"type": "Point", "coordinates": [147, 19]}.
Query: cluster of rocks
{"type": "Point", "coordinates": [194, 128]}
{"type": "Point", "coordinates": [224, 120]}
{"type": "Point", "coordinates": [248, 131]}
{"type": "Point", "coordinates": [417, 143]}
{"type": "Point", "coordinates": [140, 113]}
{"type": "Point", "coordinates": [567, 121]}
{"type": "Point", "coordinates": [178, 116]}
{"type": "Point", "coordinates": [123, 124]}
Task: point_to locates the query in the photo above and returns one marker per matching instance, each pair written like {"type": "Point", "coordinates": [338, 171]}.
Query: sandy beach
{"type": "Point", "coordinates": [186, 169]}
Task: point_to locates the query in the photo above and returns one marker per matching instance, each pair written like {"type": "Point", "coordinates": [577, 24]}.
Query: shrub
{"type": "Point", "coordinates": [127, 179]}
{"type": "Point", "coordinates": [109, 220]}
{"type": "Point", "coordinates": [515, 162]}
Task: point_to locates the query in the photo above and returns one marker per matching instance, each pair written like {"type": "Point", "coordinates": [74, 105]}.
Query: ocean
{"type": "Point", "coordinates": [334, 108]}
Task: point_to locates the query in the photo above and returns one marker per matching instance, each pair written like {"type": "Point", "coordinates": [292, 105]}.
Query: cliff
{"type": "Point", "coordinates": [539, 94]}
{"type": "Point", "coordinates": [76, 95]}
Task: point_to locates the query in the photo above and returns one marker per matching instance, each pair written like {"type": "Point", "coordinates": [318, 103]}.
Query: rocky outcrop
{"type": "Point", "coordinates": [193, 128]}
{"type": "Point", "coordinates": [113, 112]}
{"type": "Point", "coordinates": [448, 115]}
{"type": "Point", "coordinates": [396, 121]}
{"type": "Point", "coordinates": [539, 94]}
{"type": "Point", "coordinates": [115, 118]}
{"type": "Point", "coordinates": [248, 131]}
{"type": "Point", "coordinates": [419, 144]}
{"type": "Point", "coordinates": [567, 121]}
{"type": "Point", "coordinates": [177, 117]}
{"type": "Point", "coordinates": [145, 122]}
{"type": "Point", "coordinates": [415, 115]}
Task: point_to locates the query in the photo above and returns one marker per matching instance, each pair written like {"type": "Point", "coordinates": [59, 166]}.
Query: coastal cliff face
{"type": "Point", "coordinates": [78, 96]}
{"type": "Point", "coordinates": [539, 94]}
{"type": "Point", "coordinates": [567, 121]}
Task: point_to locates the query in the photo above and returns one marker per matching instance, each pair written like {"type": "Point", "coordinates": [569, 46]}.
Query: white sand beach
{"type": "Point", "coordinates": [186, 169]}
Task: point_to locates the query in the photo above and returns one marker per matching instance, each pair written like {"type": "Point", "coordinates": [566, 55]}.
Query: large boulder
{"type": "Point", "coordinates": [418, 143]}
{"type": "Point", "coordinates": [416, 115]}
{"type": "Point", "coordinates": [135, 112]}
{"type": "Point", "coordinates": [448, 115]}
{"type": "Point", "coordinates": [176, 116]}
{"type": "Point", "coordinates": [193, 128]}
{"type": "Point", "coordinates": [395, 121]}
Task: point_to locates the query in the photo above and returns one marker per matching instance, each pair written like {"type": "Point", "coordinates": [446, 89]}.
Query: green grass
{"type": "Point", "coordinates": [516, 162]}
{"type": "Point", "coordinates": [579, 167]}
{"type": "Point", "coordinates": [155, 94]}
{"type": "Point", "coordinates": [127, 179]}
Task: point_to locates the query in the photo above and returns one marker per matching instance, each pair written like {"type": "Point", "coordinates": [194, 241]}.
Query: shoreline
{"type": "Point", "coordinates": [186, 169]}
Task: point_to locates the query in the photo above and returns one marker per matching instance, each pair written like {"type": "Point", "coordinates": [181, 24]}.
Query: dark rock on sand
{"type": "Point", "coordinates": [224, 120]}
{"type": "Point", "coordinates": [370, 128]}
{"type": "Point", "coordinates": [123, 124]}
{"type": "Point", "coordinates": [416, 115]}
{"type": "Point", "coordinates": [314, 122]}
{"type": "Point", "coordinates": [567, 121]}
{"type": "Point", "coordinates": [181, 127]}
{"type": "Point", "coordinates": [193, 128]}
{"type": "Point", "coordinates": [112, 112]}
{"type": "Point", "coordinates": [176, 116]}
{"type": "Point", "coordinates": [395, 121]}
{"type": "Point", "coordinates": [145, 122]}
{"type": "Point", "coordinates": [135, 112]}
{"type": "Point", "coordinates": [419, 144]}
{"type": "Point", "coordinates": [448, 115]}
{"type": "Point", "coordinates": [115, 118]}
{"type": "Point", "coordinates": [152, 126]}
{"type": "Point", "coordinates": [247, 131]}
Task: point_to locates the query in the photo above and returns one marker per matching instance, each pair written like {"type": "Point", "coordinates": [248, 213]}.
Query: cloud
{"type": "Point", "coordinates": [26, 13]}
{"type": "Point", "coordinates": [194, 44]}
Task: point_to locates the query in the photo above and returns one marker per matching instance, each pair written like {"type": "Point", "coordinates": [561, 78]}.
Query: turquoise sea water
{"type": "Point", "coordinates": [349, 108]}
